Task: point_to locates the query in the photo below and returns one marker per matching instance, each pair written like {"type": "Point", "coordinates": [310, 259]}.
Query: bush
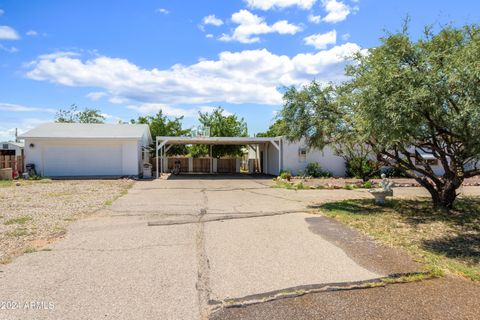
{"type": "Point", "coordinates": [367, 185]}
{"type": "Point", "coordinates": [361, 168]}
{"type": "Point", "coordinates": [314, 169]}
{"type": "Point", "coordinates": [392, 172]}
{"type": "Point", "coordinates": [286, 175]}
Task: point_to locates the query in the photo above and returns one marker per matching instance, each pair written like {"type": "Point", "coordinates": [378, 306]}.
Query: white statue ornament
{"type": "Point", "coordinates": [386, 191]}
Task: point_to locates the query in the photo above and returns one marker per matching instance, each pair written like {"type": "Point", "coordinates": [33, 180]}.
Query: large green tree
{"type": "Point", "coordinates": [221, 125]}
{"type": "Point", "coordinates": [161, 125]}
{"type": "Point", "coordinates": [275, 130]}
{"type": "Point", "coordinates": [73, 115]}
{"type": "Point", "coordinates": [405, 99]}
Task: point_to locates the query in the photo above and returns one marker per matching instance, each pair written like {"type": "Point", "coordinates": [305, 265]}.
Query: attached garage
{"type": "Point", "coordinates": [82, 150]}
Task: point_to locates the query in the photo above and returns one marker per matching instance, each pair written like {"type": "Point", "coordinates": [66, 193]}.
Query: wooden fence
{"type": "Point", "coordinates": [183, 163]}
{"type": "Point", "coordinates": [227, 165]}
{"type": "Point", "coordinates": [201, 165]}
{"type": "Point", "coordinates": [14, 162]}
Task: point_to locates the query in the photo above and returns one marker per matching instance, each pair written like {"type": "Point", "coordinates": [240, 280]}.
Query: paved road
{"type": "Point", "coordinates": [180, 248]}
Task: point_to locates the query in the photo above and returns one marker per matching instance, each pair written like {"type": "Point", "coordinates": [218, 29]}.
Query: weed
{"type": "Point", "coordinates": [19, 232]}
{"type": "Point", "coordinates": [19, 220]}
{"type": "Point", "coordinates": [30, 250]}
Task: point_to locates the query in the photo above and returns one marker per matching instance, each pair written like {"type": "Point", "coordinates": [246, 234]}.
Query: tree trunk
{"type": "Point", "coordinates": [443, 196]}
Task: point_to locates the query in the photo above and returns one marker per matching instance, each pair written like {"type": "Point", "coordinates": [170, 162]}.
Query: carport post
{"type": "Point", "coordinates": [211, 160]}
{"type": "Point", "coordinates": [265, 148]}
{"type": "Point", "coordinates": [156, 152]}
{"type": "Point", "coordinates": [160, 147]}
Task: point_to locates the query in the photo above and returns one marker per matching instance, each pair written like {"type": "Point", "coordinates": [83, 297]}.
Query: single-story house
{"type": "Point", "coordinates": [295, 156]}
{"type": "Point", "coordinates": [11, 148]}
{"type": "Point", "coordinates": [79, 149]}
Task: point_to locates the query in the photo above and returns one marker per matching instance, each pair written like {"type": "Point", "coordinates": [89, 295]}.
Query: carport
{"type": "Point", "coordinates": [271, 148]}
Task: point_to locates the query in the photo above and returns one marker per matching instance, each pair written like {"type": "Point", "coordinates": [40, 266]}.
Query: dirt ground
{"type": "Point", "coordinates": [32, 213]}
{"type": "Point", "coordinates": [337, 183]}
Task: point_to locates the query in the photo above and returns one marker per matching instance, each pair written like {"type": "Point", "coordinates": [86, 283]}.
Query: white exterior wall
{"type": "Point", "coordinates": [272, 160]}
{"type": "Point", "coordinates": [326, 158]}
{"type": "Point", "coordinates": [85, 157]}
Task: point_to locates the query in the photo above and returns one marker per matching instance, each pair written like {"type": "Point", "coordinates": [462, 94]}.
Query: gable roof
{"type": "Point", "coordinates": [88, 131]}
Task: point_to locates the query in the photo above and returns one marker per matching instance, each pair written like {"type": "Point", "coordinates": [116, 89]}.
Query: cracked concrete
{"type": "Point", "coordinates": [177, 249]}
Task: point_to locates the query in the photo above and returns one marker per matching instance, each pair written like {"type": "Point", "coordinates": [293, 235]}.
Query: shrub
{"type": "Point", "coordinates": [361, 168]}
{"type": "Point", "coordinates": [286, 175]}
{"type": "Point", "coordinates": [314, 169]}
{"type": "Point", "coordinates": [367, 185]}
{"type": "Point", "coordinates": [392, 172]}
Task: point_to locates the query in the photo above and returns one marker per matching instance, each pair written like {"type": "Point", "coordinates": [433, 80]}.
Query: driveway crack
{"type": "Point", "coordinates": [203, 265]}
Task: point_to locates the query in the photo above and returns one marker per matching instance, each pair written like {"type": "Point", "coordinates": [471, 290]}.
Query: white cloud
{"type": "Point", "coordinates": [336, 11]}
{"type": "Point", "coordinates": [111, 118]}
{"type": "Point", "coordinates": [32, 33]}
{"type": "Point", "coordinates": [8, 49]}
{"type": "Point", "coordinates": [209, 35]}
{"type": "Point", "coordinates": [162, 10]}
{"type": "Point", "coordinates": [280, 4]}
{"type": "Point", "coordinates": [152, 108]}
{"type": "Point", "coordinates": [250, 76]}
{"type": "Point", "coordinates": [345, 36]}
{"type": "Point", "coordinates": [212, 20]}
{"type": "Point", "coordinates": [251, 25]}
{"type": "Point", "coordinates": [10, 107]}
{"type": "Point", "coordinates": [314, 19]}
{"type": "Point", "coordinates": [95, 96]}
{"type": "Point", "coordinates": [321, 40]}
{"type": "Point", "coordinates": [210, 109]}
{"type": "Point", "coordinates": [7, 131]}
{"type": "Point", "coordinates": [8, 33]}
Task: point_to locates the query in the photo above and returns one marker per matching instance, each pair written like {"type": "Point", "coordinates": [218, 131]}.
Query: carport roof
{"type": "Point", "coordinates": [216, 140]}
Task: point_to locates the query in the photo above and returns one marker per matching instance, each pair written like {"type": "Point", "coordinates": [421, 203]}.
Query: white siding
{"type": "Point", "coordinates": [84, 157]}
{"type": "Point", "coordinates": [272, 160]}
{"type": "Point", "coordinates": [326, 158]}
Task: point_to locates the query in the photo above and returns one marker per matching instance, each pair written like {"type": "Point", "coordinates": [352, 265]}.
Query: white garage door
{"type": "Point", "coordinates": [82, 160]}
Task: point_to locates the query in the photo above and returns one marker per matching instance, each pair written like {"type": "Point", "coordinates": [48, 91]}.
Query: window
{"type": "Point", "coordinates": [302, 154]}
{"type": "Point", "coordinates": [432, 162]}
{"type": "Point", "coordinates": [5, 146]}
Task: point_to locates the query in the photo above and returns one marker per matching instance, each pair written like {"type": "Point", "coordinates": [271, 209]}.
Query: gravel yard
{"type": "Point", "coordinates": [35, 213]}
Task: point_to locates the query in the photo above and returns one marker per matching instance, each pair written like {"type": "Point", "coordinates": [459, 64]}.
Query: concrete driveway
{"type": "Point", "coordinates": [181, 248]}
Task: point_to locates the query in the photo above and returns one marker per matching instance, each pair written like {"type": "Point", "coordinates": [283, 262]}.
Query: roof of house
{"type": "Point", "coordinates": [19, 144]}
{"type": "Point", "coordinates": [88, 131]}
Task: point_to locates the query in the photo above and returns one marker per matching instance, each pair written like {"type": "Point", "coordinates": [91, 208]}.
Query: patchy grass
{"type": "Point", "coordinates": [30, 250]}
{"type": "Point", "coordinates": [5, 260]}
{"type": "Point", "coordinates": [19, 220]}
{"type": "Point", "coordinates": [6, 183]}
{"type": "Point", "coordinates": [292, 186]}
{"type": "Point", "coordinates": [38, 212]}
{"type": "Point", "coordinates": [16, 233]}
{"type": "Point", "coordinates": [120, 194]}
{"type": "Point", "coordinates": [448, 242]}
{"type": "Point", "coordinates": [22, 182]}
{"type": "Point", "coordinates": [58, 194]}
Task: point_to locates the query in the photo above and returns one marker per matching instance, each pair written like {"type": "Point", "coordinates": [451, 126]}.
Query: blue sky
{"type": "Point", "coordinates": [130, 58]}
